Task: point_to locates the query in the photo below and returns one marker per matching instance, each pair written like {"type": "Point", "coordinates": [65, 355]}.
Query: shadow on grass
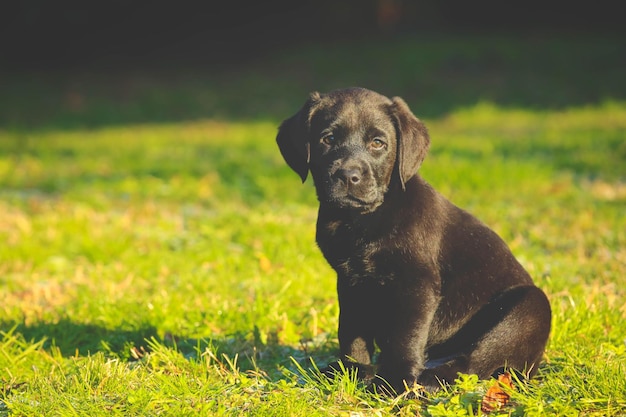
{"type": "Point", "coordinates": [272, 358]}
{"type": "Point", "coordinates": [77, 338]}
{"type": "Point", "coordinates": [246, 351]}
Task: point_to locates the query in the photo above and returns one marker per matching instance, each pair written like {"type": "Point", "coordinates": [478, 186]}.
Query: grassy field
{"type": "Point", "coordinates": [157, 256]}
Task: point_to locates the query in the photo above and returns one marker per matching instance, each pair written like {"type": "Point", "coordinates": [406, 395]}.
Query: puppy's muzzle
{"type": "Point", "coordinates": [353, 185]}
{"type": "Point", "coordinates": [350, 176]}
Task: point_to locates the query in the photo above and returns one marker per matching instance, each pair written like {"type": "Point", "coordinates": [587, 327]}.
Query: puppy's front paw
{"type": "Point", "coordinates": [363, 372]}
{"type": "Point", "coordinates": [431, 381]}
{"type": "Point", "coordinates": [404, 389]}
{"type": "Point", "coordinates": [394, 384]}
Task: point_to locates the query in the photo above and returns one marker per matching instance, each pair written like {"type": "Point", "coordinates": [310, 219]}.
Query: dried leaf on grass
{"type": "Point", "coordinates": [496, 396]}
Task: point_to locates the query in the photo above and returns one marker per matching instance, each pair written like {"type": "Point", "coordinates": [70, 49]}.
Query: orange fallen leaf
{"type": "Point", "coordinates": [496, 397]}
{"type": "Point", "coordinates": [264, 263]}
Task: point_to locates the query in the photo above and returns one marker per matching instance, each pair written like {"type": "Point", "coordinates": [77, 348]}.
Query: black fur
{"type": "Point", "coordinates": [432, 286]}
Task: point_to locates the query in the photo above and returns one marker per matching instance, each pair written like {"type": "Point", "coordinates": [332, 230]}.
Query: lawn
{"type": "Point", "coordinates": [157, 256]}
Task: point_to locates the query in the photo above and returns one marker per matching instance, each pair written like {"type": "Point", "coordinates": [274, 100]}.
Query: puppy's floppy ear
{"type": "Point", "coordinates": [413, 140]}
{"type": "Point", "coordinates": [293, 137]}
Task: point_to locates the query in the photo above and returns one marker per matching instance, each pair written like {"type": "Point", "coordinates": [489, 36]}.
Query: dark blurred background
{"type": "Point", "coordinates": [36, 34]}
{"type": "Point", "coordinates": [76, 64]}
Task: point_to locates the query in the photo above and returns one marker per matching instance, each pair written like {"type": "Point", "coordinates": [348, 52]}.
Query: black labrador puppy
{"type": "Point", "coordinates": [432, 286]}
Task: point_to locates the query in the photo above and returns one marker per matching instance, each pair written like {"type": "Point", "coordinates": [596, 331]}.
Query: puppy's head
{"type": "Point", "coordinates": [355, 142]}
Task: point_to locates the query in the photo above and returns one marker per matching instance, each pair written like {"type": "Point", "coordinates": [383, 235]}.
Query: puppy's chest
{"type": "Point", "coordinates": [359, 259]}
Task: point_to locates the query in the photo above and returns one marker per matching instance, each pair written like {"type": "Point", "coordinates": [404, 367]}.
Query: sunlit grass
{"type": "Point", "coordinates": [171, 269]}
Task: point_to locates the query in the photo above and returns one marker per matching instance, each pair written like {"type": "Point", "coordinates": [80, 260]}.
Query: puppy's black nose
{"type": "Point", "coordinates": [349, 175]}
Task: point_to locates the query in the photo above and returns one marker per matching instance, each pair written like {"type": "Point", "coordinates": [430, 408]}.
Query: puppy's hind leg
{"type": "Point", "coordinates": [511, 331]}
{"type": "Point", "coordinates": [519, 339]}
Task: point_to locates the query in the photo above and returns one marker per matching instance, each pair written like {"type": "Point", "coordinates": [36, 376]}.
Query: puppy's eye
{"type": "Point", "coordinates": [328, 139]}
{"type": "Point", "coordinates": [378, 143]}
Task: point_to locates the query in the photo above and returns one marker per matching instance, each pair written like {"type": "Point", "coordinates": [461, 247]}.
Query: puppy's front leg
{"type": "Point", "coordinates": [404, 339]}
{"type": "Point", "coordinates": [356, 327]}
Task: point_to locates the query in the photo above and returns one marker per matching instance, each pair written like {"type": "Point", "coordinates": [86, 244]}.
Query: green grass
{"type": "Point", "coordinates": [157, 256]}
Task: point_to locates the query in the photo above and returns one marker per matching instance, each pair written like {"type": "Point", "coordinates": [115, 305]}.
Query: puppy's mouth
{"type": "Point", "coordinates": [362, 204]}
